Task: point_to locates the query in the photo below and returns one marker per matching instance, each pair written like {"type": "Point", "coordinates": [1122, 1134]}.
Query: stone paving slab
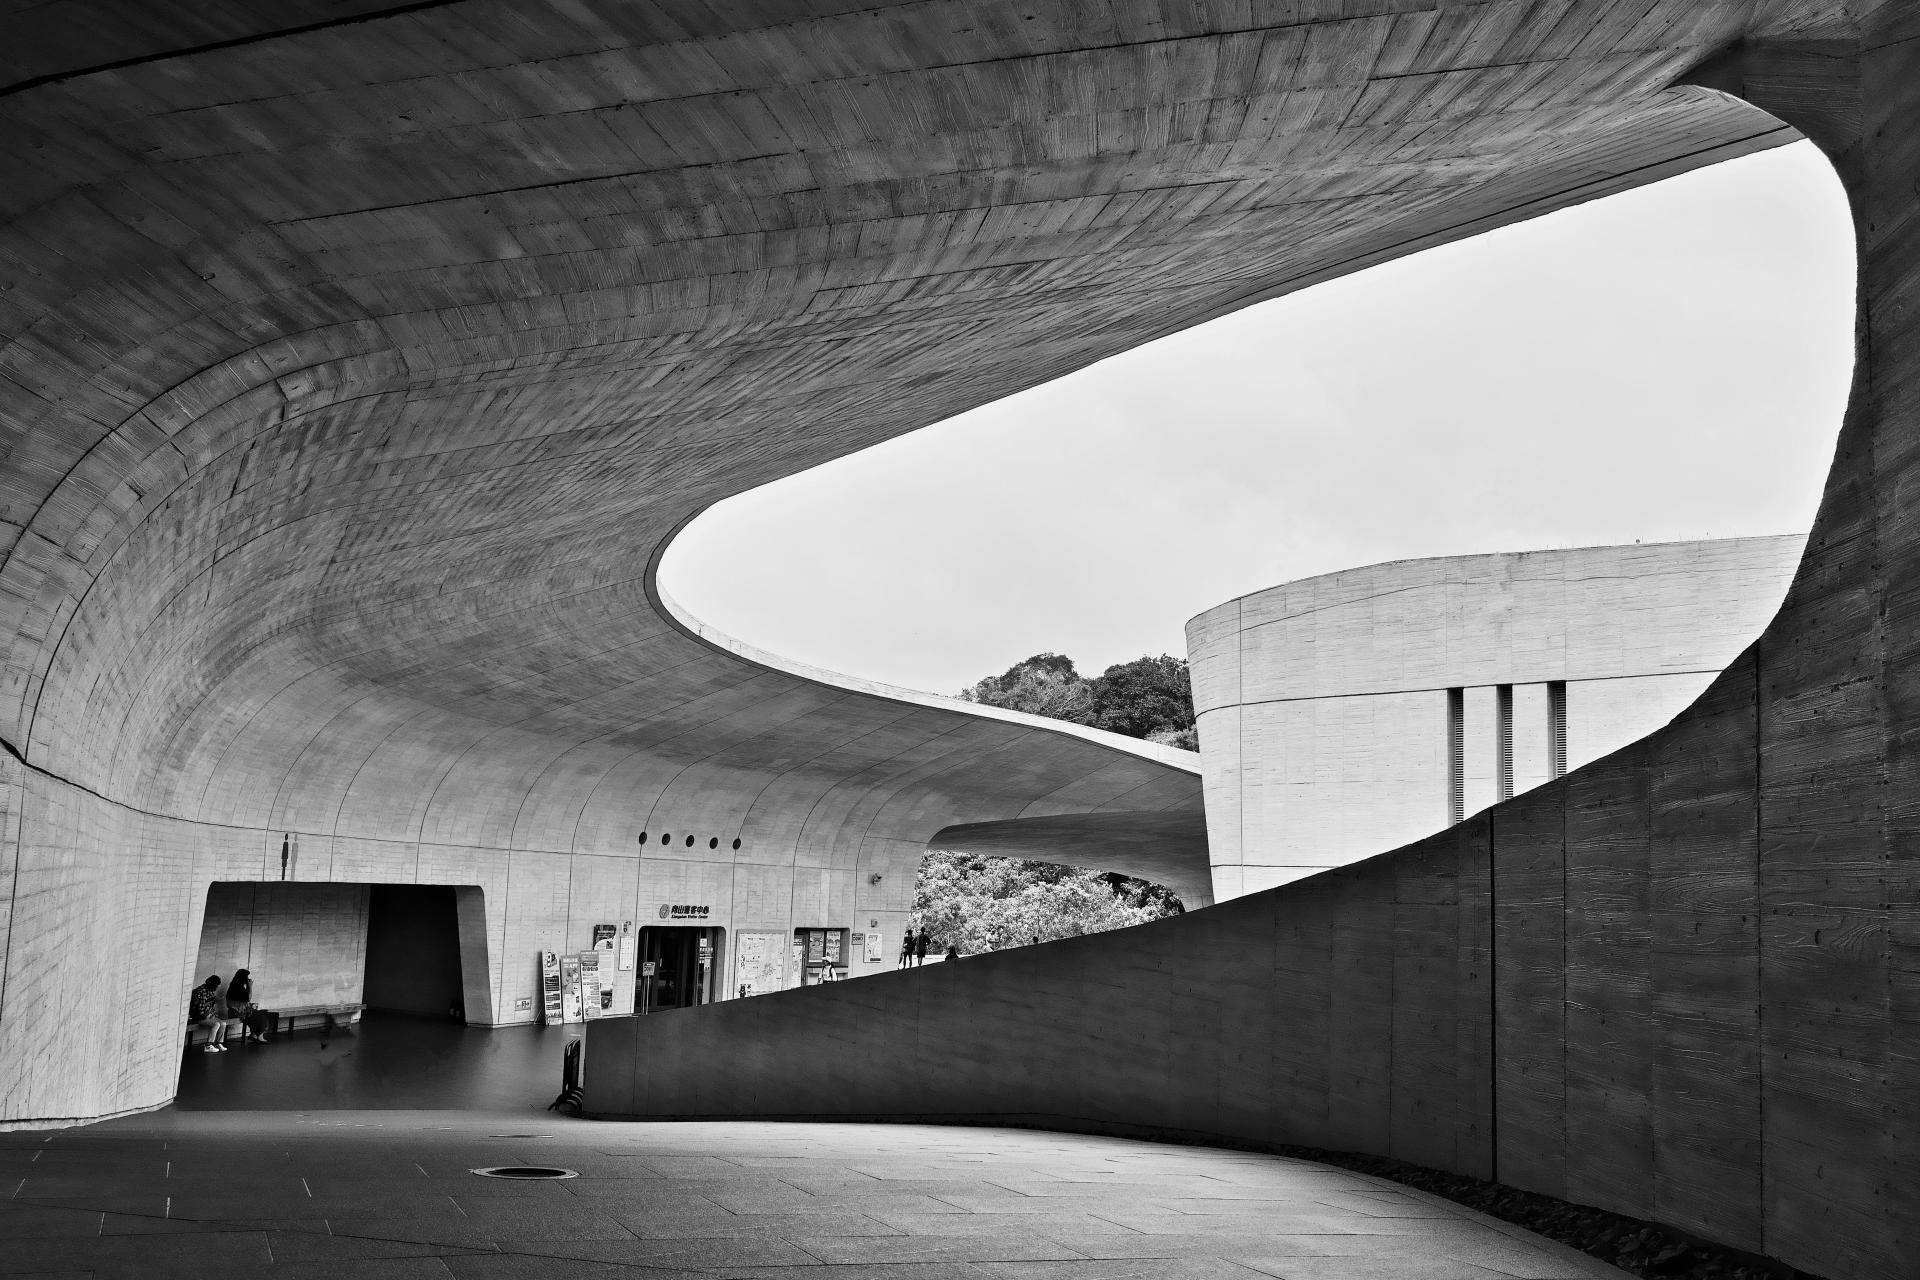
{"type": "Point", "coordinates": [388, 1195]}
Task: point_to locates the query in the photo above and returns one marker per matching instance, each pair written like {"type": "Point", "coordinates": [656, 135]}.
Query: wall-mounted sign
{"type": "Point", "coordinates": [590, 1004]}
{"type": "Point", "coordinates": [758, 963]}
{"type": "Point", "coordinates": [570, 1009]}
{"type": "Point", "coordinates": [625, 949]}
{"type": "Point", "coordinates": [603, 937]}
{"type": "Point", "coordinates": [553, 999]}
{"type": "Point", "coordinates": [684, 911]}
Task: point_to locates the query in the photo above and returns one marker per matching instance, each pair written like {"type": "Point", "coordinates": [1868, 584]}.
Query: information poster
{"type": "Point", "coordinates": [759, 966]}
{"type": "Point", "coordinates": [603, 937]}
{"type": "Point", "coordinates": [552, 1002]}
{"type": "Point", "coordinates": [590, 1005]}
{"type": "Point", "coordinates": [876, 947]}
{"type": "Point", "coordinates": [626, 947]}
{"type": "Point", "coordinates": [570, 1009]}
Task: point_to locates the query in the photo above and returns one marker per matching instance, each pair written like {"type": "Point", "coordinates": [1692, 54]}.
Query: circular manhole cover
{"type": "Point", "coordinates": [525, 1171]}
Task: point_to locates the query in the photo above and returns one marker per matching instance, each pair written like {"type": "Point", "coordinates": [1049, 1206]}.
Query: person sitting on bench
{"type": "Point", "coordinates": [206, 1009]}
{"type": "Point", "coordinates": [253, 1022]}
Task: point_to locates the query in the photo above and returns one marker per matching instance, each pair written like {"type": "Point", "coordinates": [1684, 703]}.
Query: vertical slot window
{"type": "Point", "coordinates": [1556, 728]}
{"type": "Point", "coordinates": [1456, 755]}
{"type": "Point", "coordinates": [1503, 733]}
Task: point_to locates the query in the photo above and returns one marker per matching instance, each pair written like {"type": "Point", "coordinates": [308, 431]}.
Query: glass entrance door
{"type": "Point", "coordinates": [684, 963]}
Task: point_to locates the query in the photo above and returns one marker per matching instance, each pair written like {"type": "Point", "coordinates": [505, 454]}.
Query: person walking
{"type": "Point", "coordinates": [906, 951]}
{"type": "Point", "coordinates": [206, 1009]}
{"type": "Point", "coordinates": [920, 948]}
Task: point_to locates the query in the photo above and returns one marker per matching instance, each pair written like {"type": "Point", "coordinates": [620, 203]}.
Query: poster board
{"type": "Point", "coordinates": [570, 1010]}
{"type": "Point", "coordinates": [552, 1005]}
{"type": "Point", "coordinates": [591, 992]}
{"type": "Point", "coordinates": [876, 947]}
{"type": "Point", "coordinates": [760, 963]}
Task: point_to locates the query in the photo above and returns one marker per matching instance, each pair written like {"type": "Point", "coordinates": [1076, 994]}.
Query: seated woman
{"type": "Point", "coordinates": [206, 1009]}
{"type": "Point", "coordinates": [253, 1022]}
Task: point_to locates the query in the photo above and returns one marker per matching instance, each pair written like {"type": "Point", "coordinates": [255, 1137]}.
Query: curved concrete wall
{"type": "Point", "coordinates": [351, 374]}
{"type": "Point", "coordinates": [354, 366]}
{"type": "Point", "coordinates": [1328, 706]}
{"type": "Point", "coordinates": [1681, 983]}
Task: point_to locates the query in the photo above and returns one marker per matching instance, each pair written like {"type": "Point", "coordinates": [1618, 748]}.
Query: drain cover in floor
{"type": "Point", "coordinates": [525, 1171]}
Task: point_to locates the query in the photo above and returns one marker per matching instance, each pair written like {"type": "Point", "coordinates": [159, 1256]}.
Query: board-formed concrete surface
{"type": "Point", "coordinates": [1357, 711]}
{"type": "Point", "coordinates": [1682, 983]}
{"type": "Point", "coordinates": [355, 365]}
{"type": "Point", "coordinates": [346, 1195]}
{"type": "Point", "coordinates": [354, 369]}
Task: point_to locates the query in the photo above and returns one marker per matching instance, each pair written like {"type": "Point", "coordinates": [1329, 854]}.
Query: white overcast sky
{"type": "Point", "coordinates": [1666, 364]}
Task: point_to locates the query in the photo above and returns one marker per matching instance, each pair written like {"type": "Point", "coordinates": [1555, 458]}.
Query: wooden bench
{"type": "Point", "coordinates": [340, 1017]}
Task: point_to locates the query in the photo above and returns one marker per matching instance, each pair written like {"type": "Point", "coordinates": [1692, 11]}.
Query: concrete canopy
{"type": "Point", "coordinates": [356, 369]}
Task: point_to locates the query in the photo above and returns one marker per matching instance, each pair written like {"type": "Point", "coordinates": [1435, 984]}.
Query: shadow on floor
{"type": "Point", "coordinates": [393, 1062]}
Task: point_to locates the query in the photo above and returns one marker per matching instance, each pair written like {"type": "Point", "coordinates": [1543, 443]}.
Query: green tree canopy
{"type": "Point", "coordinates": [975, 902]}
{"type": "Point", "coordinates": [979, 903]}
{"type": "Point", "coordinates": [1044, 685]}
{"type": "Point", "coordinates": [1149, 698]}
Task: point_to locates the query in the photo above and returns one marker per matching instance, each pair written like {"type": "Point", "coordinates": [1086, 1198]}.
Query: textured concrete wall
{"type": "Point", "coordinates": [304, 944]}
{"type": "Point", "coordinates": [1323, 703]}
{"type": "Point", "coordinates": [354, 368]}
{"type": "Point", "coordinates": [1682, 983]}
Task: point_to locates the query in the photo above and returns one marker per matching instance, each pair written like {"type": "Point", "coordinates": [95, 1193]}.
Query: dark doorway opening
{"type": "Point", "coordinates": [685, 964]}
{"type": "Point", "coordinates": [413, 951]}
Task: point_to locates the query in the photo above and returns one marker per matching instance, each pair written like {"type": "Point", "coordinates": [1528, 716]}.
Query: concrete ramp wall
{"type": "Point", "coordinates": [1562, 994]}
{"type": "Point", "coordinates": [1682, 983]}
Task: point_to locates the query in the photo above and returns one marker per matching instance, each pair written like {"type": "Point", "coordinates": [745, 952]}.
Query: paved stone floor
{"type": "Point", "coordinates": [391, 1062]}
{"type": "Point", "coordinates": [325, 1156]}
{"type": "Point", "coordinates": [386, 1195]}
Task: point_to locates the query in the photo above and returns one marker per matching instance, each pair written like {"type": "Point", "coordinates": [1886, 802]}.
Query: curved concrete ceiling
{"type": "Point", "coordinates": [354, 373]}
{"type": "Point", "coordinates": [1167, 848]}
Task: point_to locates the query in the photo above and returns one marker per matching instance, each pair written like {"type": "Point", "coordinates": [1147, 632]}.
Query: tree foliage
{"type": "Point", "coordinates": [1149, 698]}
{"type": "Point", "coordinates": [1044, 685]}
{"type": "Point", "coordinates": [977, 903]}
